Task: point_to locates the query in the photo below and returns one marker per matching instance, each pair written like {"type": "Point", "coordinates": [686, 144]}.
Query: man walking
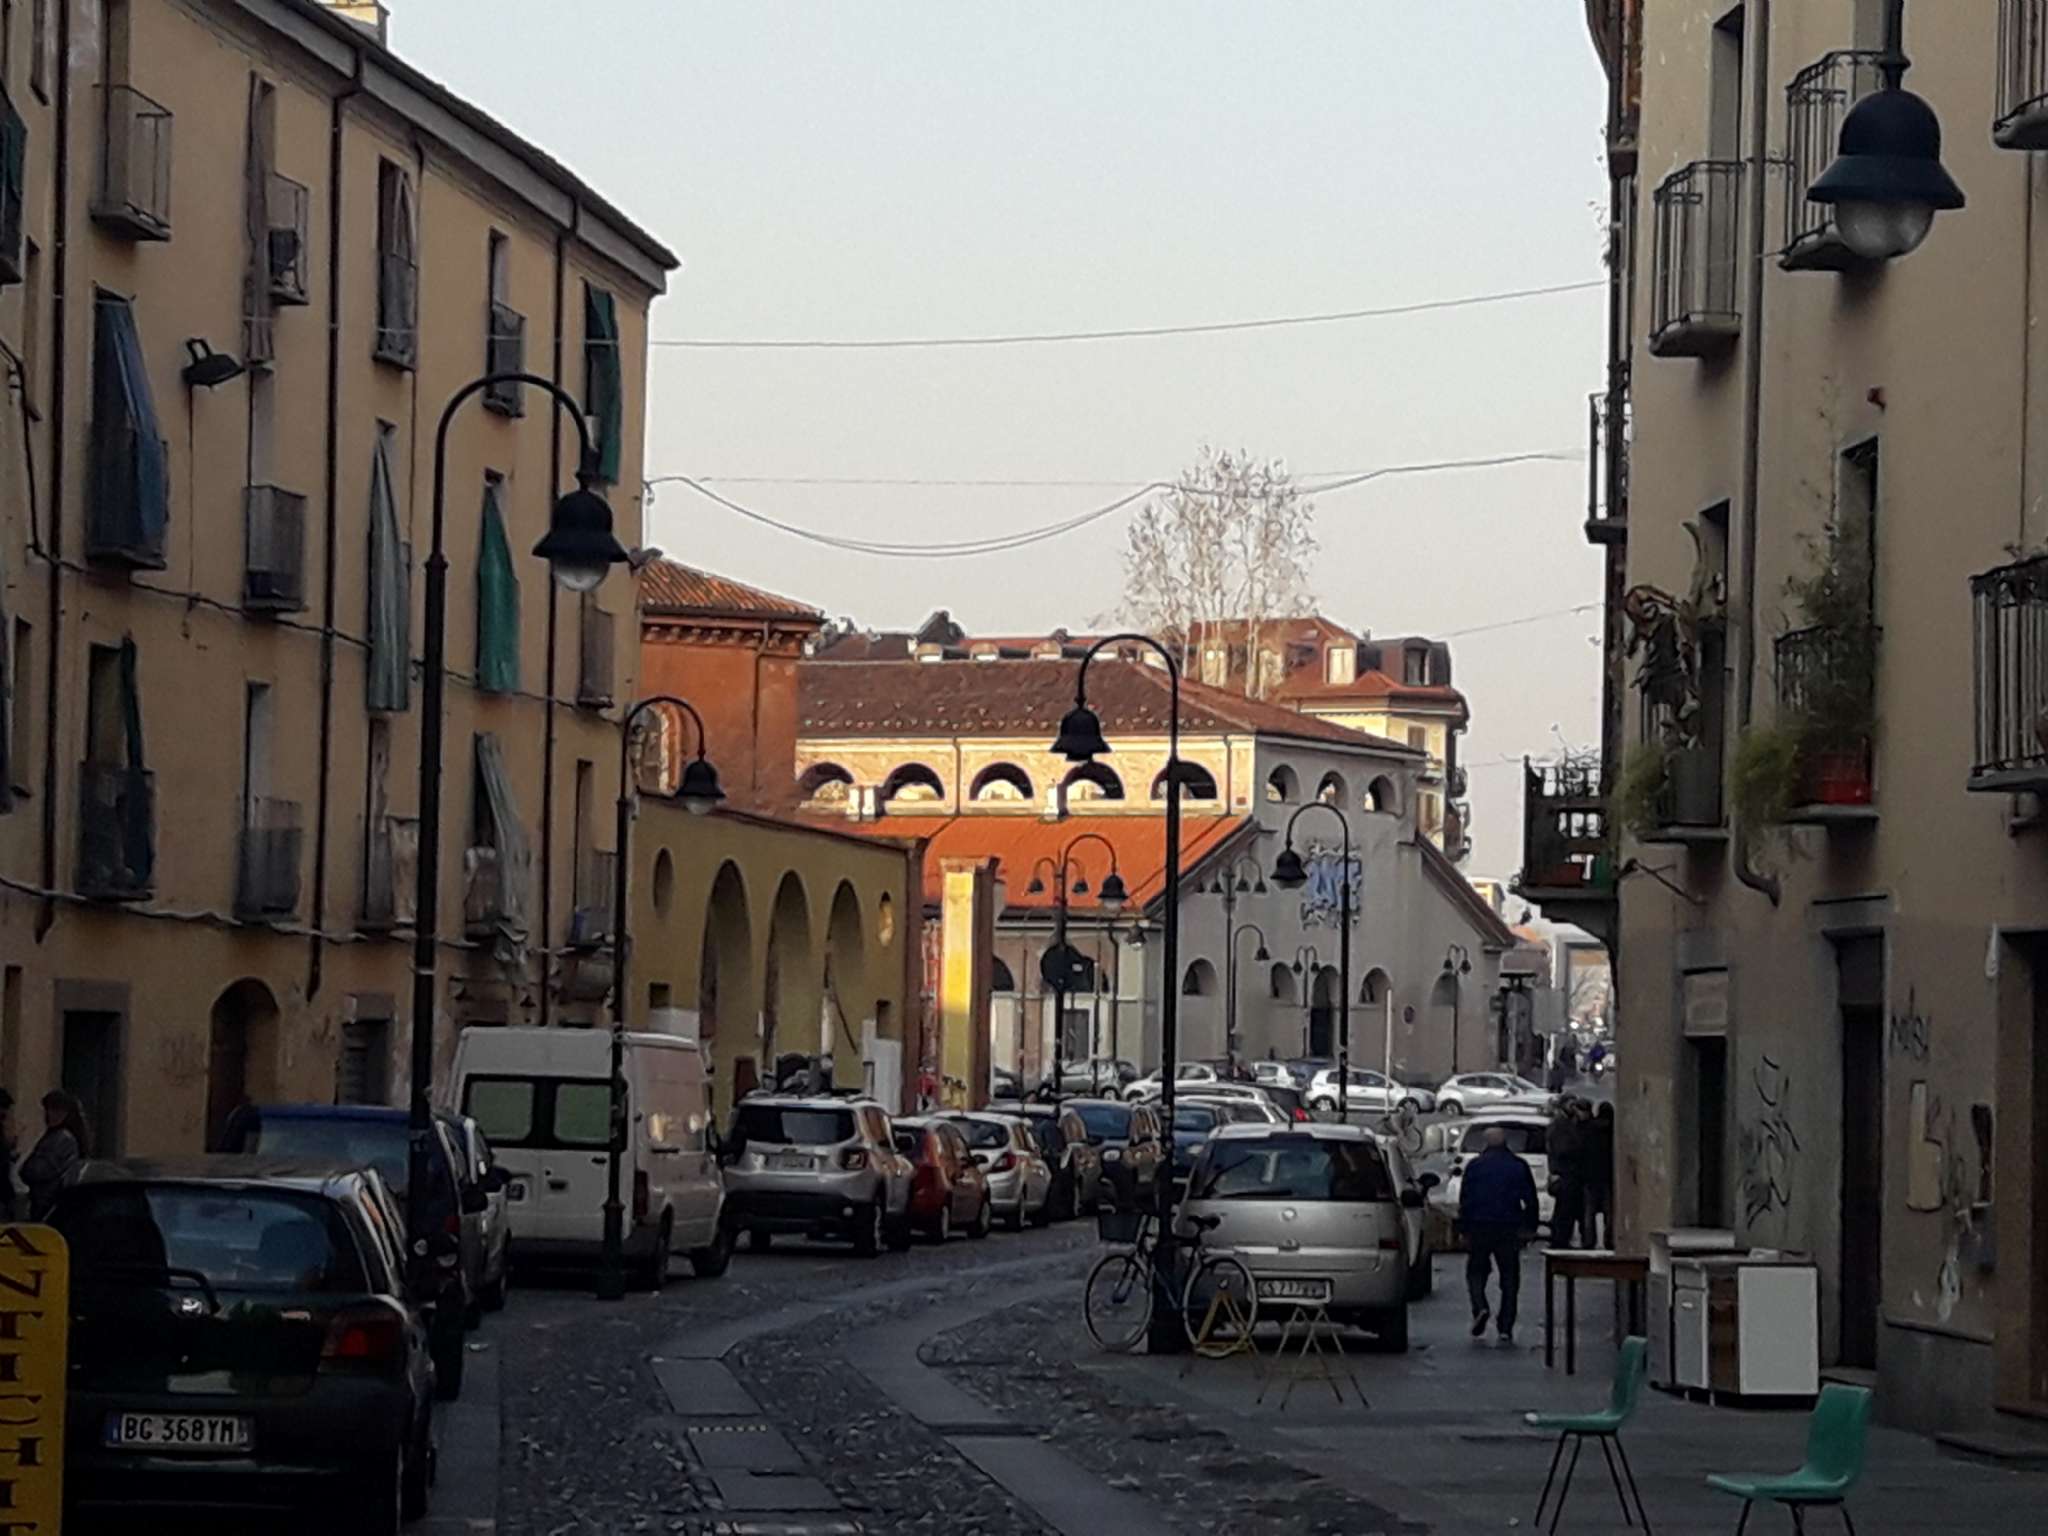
{"type": "Point", "coordinates": [1495, 1207]}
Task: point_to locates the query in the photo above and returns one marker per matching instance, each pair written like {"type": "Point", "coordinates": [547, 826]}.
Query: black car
{"type": "Point", "coordinates": [1193, 1121]}
{"type": "Point", "coordinates": [1133, 1152]}
{"type": "Point", "coordinates": [243, 1338]}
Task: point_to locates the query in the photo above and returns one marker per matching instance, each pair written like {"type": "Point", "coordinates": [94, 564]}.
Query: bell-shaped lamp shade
{"type": "Point", "coordinates": [1288, 871]}
{"type": "Point", "coordinates": [1080, 885]}
{"type": "Point", "coordinates": [1112, 896]}
{"type": "Point", "coordinates": [1887, 181]}
{"type": "Point", "coordinates": [579, 545]}
{"type": "Point", "coordinates": [1259, 887]}
{"type": "Point", "coordinates": [1080, 738]}
{"type": "Point", "coordinates": [1036, 887]}
{"type": "Point", "coordinates": [1262, 955]}
{"type": "Point", "coordinates": [699, 789]}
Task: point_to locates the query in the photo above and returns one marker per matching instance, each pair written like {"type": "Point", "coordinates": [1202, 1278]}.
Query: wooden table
{"type": "Point", "coordinates": [1573, 1265]}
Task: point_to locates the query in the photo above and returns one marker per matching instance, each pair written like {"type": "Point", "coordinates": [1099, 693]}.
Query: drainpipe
{"type": "Point", "coordinates": [547, 743]}
{"type": "Point", "coordinates": [315, 944]}
{"type": "Point", "coordinates": [1758, 48]}
{"type": "Point", "coordinates": [59, 347]}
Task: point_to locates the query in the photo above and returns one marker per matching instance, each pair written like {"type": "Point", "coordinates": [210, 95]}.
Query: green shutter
{"type": "Point", "coordinates": [497, 603]}
{"type": "Point", "coordinates": [604, 395]}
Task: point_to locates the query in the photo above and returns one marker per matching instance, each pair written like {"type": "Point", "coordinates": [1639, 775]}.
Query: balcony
{"type": "Point", "coordinates": [2022, 121]}
{"type": "Point", "coordinates": [1816, 101]}
{"type": "Point", "coordinates": [274, 539]}
{"type": "Point", "coordinates": [397, 340]}
{"type": "Point", "coordinates": [487, 909]}
{"type": "Point", "coordinates": [1610, 430]}
{"type": "Point", "coordinates": [1826, 681]}
{"type": "Point", "coordinates": [125, 521]}
{"type": "Point", "coordinates": [116, 832]}
{"type": "Point", "coordinates": [390, 873]}
{"type": "Point", "coordinates": [1567, 844]}
{"type": "Point", "coordinates": [1695, 311]}
{"type": "Point", "coordinates": [267, 860]}
{"type": "Point", "coordinates": [505, 352]}
{"type": "Point", "coordinates": [590, 924]}
{"type": "Point", "coordinates": [13, 187]}
{"type": "Point", "coordinates": [2009, 644]}
{"type": "Point", "coordinates": [291, 263]}
{"type": "Point", "coordinates": [595, 687]}
{"type": "Point", "coordinates": [133, 197]}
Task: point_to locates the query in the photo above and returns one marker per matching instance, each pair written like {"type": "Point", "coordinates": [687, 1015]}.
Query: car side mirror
{"type": "Point", "coordinates": [1411, 1199]}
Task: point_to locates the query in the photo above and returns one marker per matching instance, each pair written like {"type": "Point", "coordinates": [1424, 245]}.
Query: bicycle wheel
{"type": "Point", "coordinates": [1220, 1306]}
{"type": "Point", "coordinates": [1117, 1303]}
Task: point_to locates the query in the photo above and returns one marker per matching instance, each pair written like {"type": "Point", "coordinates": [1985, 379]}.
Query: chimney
{"type": "Point", "coordinates": [370, 15]}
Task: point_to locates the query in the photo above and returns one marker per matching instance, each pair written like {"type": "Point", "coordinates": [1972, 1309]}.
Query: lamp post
{"type": "Point", "coordinates": [1887, 181]}
{"type": "Point", "coordinates": [579, 547]}
{"type": "Point", "coordinates": [1289, 873]}
{"type": "Point", "coordinates": [699, 792]}
{"type": "Point", "coordinates": [1229, 884]}
{"type": "Point", "coordinates": [1261, 954]}
{"type": "Point", "coordinates": [1457, 965]}
{"type": "Point", "coordinates": [1061, 963]}
{"type": "Point", "coordinates": [1306, 964]}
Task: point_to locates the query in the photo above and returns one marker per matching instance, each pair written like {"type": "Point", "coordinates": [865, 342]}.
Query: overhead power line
{"type": "Point", "coordinates": [977, 482]}
{"type": "Point", "coordinates": [1124, 333]}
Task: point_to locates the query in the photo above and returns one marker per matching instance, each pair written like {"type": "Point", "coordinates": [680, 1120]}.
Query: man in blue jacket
{"type": "Point", "coordinates": [1495, 1207]}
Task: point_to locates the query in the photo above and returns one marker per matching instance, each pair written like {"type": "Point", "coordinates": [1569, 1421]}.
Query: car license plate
{"type": "Point", "coordinates": [207, 1433]}
{"type": "Point", "coordinates": [795, 1160]}
{"type": "Point", "coordinates": [1294, 1290]}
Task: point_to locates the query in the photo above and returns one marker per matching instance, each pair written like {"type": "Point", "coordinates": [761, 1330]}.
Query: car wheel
{"type": "Point", "coordinates": [450, 1356]}
{"type": "Point", "coordinates": [1043, 1215]}
{"type": "Point", "coordinates": [758, 1241]}
{"type": "Point", "coordinates": [943, 1227]}
{"type": "Point", "coordinates": [1449, 1107]}
{"type": "Point", "coordinates": [654, 1273]}
{"type": "Point", "coordinates": [418, 1476]}
{"type": "Point", "coordinates": [715, 1257]}
{"type": "Point", "coordinates": [897, 1234]}
{"type": "Point", "coordinates": [984, 1221]}
{"type": "Point", "coordinates": [867, 1231]}
{"type": "Point", "coordinates": [1392, 1328]}
{"type": "Point", "coordinates": [1410, 1104]}
{"type": "Point", "coordinates": [1015, 1220]}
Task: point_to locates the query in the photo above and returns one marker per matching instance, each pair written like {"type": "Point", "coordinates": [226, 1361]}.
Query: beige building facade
{"type": "Point", "coordinates": [259, 254]}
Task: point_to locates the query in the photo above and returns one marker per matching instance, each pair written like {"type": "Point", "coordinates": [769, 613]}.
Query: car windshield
{"type": "Point", "coordinates": [1202, 1118]}
{"type": "Point", "coordinates": [1522, 1139]}
{"type": "Point", "coordinates": [339, 1141]}
{"type": "Point", "coordinates": [1105, 1122]}
{"type": "Point", "coordinates": [239, 1239]}
{"type": "Point", "coordinates": [1292, 1168]}
{"type": "Point", "coordinates": [984, 1135]}
{"type": "Point", "coordinates": [787, 1125]}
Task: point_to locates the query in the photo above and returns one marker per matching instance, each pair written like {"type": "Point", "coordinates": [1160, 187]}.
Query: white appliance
{"type": "Point", "coordinates": [1746, 1325]}
{"type": "Point", "coordinates": [1665, 1247]}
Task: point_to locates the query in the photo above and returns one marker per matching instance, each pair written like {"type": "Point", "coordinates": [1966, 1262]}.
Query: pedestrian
{"type": "Point", "coordinates": [1599, 1167]}
{"type": "Point", "coordinates": [10, 1209]}
{"type": "Point", "coordinates": [56, 1156]}
{"type": "Point", "coordinates": [1496, 1206]}
{"type": "Point", "coordinates": [1567, 1149]}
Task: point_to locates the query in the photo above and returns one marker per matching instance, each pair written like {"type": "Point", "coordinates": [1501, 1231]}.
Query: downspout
{"type": "Point", "coordinates": [59, 349]}
{"type": "Point", "coordinates": [547, 744]}
{"type": "Point", "coordinates": [1758, 48]}
{"type": "Point", "coordinates": [316, 944]}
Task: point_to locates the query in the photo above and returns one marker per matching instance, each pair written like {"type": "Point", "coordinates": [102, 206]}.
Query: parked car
{"type": "Point", "coordinates": [1076, 1162]}
{"type": "Point", "coordinates": [1313, 1211]}
{"type": "Point", "coordinates": [1133, 1150]}
{"type": "Point", "coordinates": [1220, 1089]}
{"type": "Point", "coordinates": [948, 1188]}
{"type": "Point", "coordinates": [372, 1136]}
{"type": "Point", "coordinates": [1194, 1120]}
{"type": "Point", "coordinates": [243, 1337]}
{"type": "Point", "coordinates": [1414, 1216]}
{"type": "Point", "coordinates": [487, 1256]}
{"type": "Point", "coordinates": [1019, 1180]}
{"type": "Point", "coordinates": [1527, 1135]}
{"type": "Point", "coordinates": [1488, 1090]}
{"type": "Point", "coordinates": [1004, 1084]}
{"type": "Point", "coordinates": [1149, 1086]}
{"type": "Point", "coordinates": [1274, 1074]}
{"type": "Point", "coordinates": [1103, 1077]}
{"type": "Point", "coordinates": [817, 1166]}
{"type": "Point", "coordinates": [1368, 1090]}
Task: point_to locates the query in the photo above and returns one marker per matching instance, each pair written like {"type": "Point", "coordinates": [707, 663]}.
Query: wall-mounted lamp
{"type": "Point", "coordinates": [208, 369]}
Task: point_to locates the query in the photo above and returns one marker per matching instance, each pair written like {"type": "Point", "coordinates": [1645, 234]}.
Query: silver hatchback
{"type": "Point", "coordinates": [1314, 1212]}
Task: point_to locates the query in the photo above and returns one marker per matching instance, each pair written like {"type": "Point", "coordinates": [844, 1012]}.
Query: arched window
{"type": "Point", "coordinates": [912, 784]}
{"type": "Point", "coordinates": [1200, 980]}
{"type": "Point", "coordinates": [825, 784]}
{"type": "Point", "coordinates": [1378, 985]}
{"type": "Point", "coordinates": [1381, 795]}
{"type": "Point", "coordinates": [1092, 781]}
{"type": "Point", "coordinates": [1283, 983]}
{"type": "Point", "coordinates": [1001, 782]}
{"type": "Point", "coordinates": [1196, 783]}
{"type": "Point", "coordinates": [1282, 787]}
{"type": "Point", "coordinates": [1331, 790]}
{"type": "Point", "coordinates": [1000, 979]}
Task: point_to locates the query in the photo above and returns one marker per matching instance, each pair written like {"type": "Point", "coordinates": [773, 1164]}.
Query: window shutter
{"type": "Point", "coordinates": [388, 688]}
{"type": "Point", "coordinates": [497, 603]}
{"type": "Point", "coordinates": [131, 470]}
{"type": "Point", "coordinates": [508, 836]}
{"type": "Point", "coordinates": [259, 337]}
{"type": "Point", "coordinates": [603, 385]}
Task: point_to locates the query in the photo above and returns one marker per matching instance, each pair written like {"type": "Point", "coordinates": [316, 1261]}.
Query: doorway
{"type": "Point", "coordinates": [241, 1050]}
{"type": "Point", "coordinates": [90, 1071]}
{"type": "Point", "coordinates": [1322, 1015]}
{"type": "Point", "coordinates": [1860, 988]}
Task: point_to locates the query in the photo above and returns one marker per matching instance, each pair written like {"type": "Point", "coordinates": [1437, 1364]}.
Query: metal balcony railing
{"type": "Point", "coordinates": [590, 925]}
{"type": "Point", "coordinates": [1566, 842]}
{"type": "Point", "coordinates": [2009, 645]}
{"type": "Point", "coordinates": [595, 688]}
{"type": "Point", "coordinates": [1816, 101]}
{"type": "Point", "coordinates": [274, 539]}
{"type": "Point", "coordinates": [289, 205]}
{"type": "Point", "coordinates": [1610, 430]}
{"type": "Point", "coordinates": [505, 352]}
{"type": "Point", "coordinates": [267, 862]}
{"type": "Point", "coordinates": [133, 197]}
{"type": "Point", "coordinates": [1827, 677]}
{"type": "Point", "coordinates": [116, 832]}
{"type": "Point", "coordinates": [1695, 311]}
{"type": "Point", "coordinates": [398, 311]}
{"type": "Point", "coordinates": [390, 872]}
{"type": "Point", "coordinates": [2022, 121]}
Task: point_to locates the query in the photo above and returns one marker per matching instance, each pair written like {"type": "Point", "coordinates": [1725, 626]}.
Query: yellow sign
{"type": "Point", "coordinates": [35, 1320]}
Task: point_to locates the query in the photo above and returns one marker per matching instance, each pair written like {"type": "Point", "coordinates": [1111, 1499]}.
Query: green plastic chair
{"type": "Point", "coordinates": [1605, 1426]}
{"type": "Point", "coordinates": [1834, 1462]}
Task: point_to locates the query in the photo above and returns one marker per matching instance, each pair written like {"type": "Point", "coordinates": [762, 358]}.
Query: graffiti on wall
{"type": "Point", "coordinates": [1948, 1174]}
{"type": "Point", "coordinates": [1911, 1032]}
{"type": "Point", "coordinates": [1769, 1145]}
{"type": "Point", "coordinates": [1322, 898]}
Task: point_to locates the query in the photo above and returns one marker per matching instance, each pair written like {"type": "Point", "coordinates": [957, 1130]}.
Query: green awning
{"type": "Point", "coordinates": [604, 394]}
{"type": "Point", "coordinates": [497, 602]}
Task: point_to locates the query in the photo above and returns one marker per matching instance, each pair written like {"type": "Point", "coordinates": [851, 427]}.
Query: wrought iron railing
{"type": "Point", "coordinates": [1827, 681]}
{"type": "Point", "coordinates": [2022, 120]}
{"type": "Point", "coordinates": [289, 207]}
{"type": "Point", "coordinates": [133, 197]}
{"type": "Point", "coordinates": [505, 352]}
{"type": "Point", "coordinates": [116, 832]}
{"type": "Point", "coordinates": [274, 539]}
{"type": "Point", "coordinates": [1816, 101]}
{"type": "Point", "coordinates": [2009, 646]}
{"type": "Point", "coordinates": [1610, 429]}
{"type": "Point", "coordinates": [1566, 839]}
{"type": "Point", "coordinates": [1695, 309]}
{"type": "Point", "coordinates": [267, 866]}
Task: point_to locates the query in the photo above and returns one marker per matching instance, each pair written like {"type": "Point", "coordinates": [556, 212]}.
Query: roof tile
{"type": "Point", "coordinates": [670, 588]}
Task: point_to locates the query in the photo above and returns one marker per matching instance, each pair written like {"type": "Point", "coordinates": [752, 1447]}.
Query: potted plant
{"type": "Point", "coordinates": [1832, 698]}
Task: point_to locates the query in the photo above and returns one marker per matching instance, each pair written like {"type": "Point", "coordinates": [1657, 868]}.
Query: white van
{"type": "Point", "coordinates": [542, 1097]}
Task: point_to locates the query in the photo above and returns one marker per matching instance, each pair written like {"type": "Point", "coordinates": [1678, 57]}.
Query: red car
{"type": "Point", "coordinates": [949, 1189]}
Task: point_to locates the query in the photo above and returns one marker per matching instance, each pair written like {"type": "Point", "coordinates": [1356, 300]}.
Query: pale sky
{"type": "Point", "coordinates": [956, 168]}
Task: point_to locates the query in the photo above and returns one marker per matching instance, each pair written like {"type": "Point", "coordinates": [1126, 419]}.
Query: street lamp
{"type": "Point", "coordinates": [1887, 181]}
{"type": "Point", "coordinates": [1289, 873]}
{"type": "Point", "coordinates": [1306, 964]}
{"type": "Point", "coordinates": [1062, 962]}
{"type": "Point", "coordinates": [580, 547]}
{"type": "Point", "coordinates": [699, 791]}
{"type": "Point", "coordinates": [1230, 974]}
{"type": "Point", "coordinates": [1230, 884]}
{"type": "Point", "coordinates": [1457, 964]}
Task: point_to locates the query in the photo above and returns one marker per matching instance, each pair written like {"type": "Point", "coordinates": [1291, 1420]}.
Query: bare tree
{"type": "Point", "coordinates": [1225, 552]}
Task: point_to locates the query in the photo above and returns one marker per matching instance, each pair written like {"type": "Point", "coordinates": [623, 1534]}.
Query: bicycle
{"type": "Point", "coordinates": [1218, 1298]}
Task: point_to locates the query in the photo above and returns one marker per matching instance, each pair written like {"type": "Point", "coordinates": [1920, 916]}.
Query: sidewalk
{"type": "Point", "coordinates": [1443, 1444]}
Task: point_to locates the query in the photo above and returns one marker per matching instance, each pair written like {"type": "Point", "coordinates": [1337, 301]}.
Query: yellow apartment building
{"type": "Point", "coordinates": [248, 254]}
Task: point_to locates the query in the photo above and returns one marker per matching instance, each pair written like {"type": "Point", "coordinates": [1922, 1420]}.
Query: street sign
{"type": "Point", "coordinates": [1065, 968]}
{"type": "Point", "coordinates": [35, 1317]}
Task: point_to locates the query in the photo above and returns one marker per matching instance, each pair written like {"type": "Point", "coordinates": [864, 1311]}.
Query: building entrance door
{"type": "Point", "coordinates": [91, 1073]}
{"type": "Point", "coordinates": [1860, 970]}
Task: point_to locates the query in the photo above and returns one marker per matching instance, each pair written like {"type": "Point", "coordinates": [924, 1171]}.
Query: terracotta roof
{"type": "Point", "coordinates": [1019, 843]}
{"type": "Point", "coordinates": [1005, 698]}
{"type": "Point", "coordinates": [1372, 687]}
{"type": "Point", "coordinates": [668, 588]}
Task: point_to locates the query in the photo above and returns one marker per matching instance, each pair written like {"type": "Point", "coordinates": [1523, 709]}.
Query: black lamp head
{"type": "Point", "coordinates": [1112, 895]}
{"type": "Point", "coordinates": [579, 543]}
{"type": "Point", "coordinates": [1080, 739]}
{"type": "Point", "coordinates": [699, 790]}
{"type": "Point", "coordinates": [1080, 885]}
{"type": "Point", "coordinates": [208, 369]}
{"type": "Point", "coordinates": [1887, 180]}
{"type": "Point", "coordinates": [1288, 871]}
{"type": "Point", "coordinates": [1262, 954]}
{"type": "Point", "coordinates": [1036, 887]}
